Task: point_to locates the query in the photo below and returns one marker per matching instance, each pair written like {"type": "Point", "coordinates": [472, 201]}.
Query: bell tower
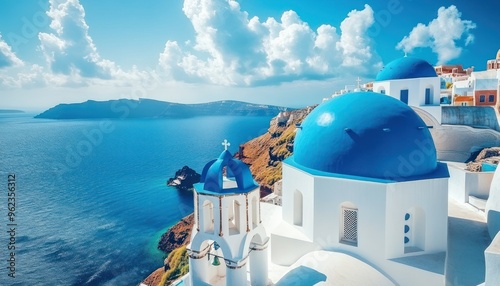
{"type": "Point", "coordinates": [228, 239]}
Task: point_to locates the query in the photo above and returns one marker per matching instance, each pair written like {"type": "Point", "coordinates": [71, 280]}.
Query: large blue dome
{"type": "Point", "coordinates": [365, 134]}
{"type": "Point", "coordinates": [405, 68]}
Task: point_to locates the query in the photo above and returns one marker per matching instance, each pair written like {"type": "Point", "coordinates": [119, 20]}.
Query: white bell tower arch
{"type": "Point", "coordinates": [228, 239]}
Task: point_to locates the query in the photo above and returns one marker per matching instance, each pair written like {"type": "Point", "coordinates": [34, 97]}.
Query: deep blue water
{"type": "Point", "coordinates": [91, 194]}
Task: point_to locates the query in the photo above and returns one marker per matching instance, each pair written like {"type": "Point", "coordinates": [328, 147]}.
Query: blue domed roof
{"type": "Point", "coordinates": [405, 68]}
{"type": "Point", "coordinates": [211, 181]}
{"type": "Point", "coordinates": [365, 134]}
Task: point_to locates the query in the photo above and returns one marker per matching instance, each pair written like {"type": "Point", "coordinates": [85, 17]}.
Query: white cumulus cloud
{"type": "Point", "coordinates": [354, 42]}
{"type": "Point", "coordinates": [69, 50]}
{"type": "Point", "coordinates": [232, 48]}
{"type": "Point", "coordinates": [7, 57]}
{"type": "Point", "coordinates": [443, 35]}
{"type": "Point", "coordinates": [71, 55]}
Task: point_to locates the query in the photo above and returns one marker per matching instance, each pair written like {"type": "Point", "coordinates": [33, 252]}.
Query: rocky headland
{"type": "Point", "coordinates": [184, 179]}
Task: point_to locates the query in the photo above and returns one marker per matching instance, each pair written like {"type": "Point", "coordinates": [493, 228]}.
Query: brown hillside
{"type": "Point", "coordinates": [265, 153]}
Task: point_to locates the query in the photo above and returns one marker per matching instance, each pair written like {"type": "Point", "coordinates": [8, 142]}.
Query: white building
{"type": "Point", "coordinates": [492, 253]}
{"type": "Point", "coordinates": [228, 235]}
{"type": "Point", "coordinates": [413, 81]}
{"type": "Point", "coordinates": [364, 202]}
{"type": "Point", "coordinates": [494, 64]}
{"type": "Point", "coordinates": [366, 183]}
{"type": "Point", "coordinates": [493, 205]}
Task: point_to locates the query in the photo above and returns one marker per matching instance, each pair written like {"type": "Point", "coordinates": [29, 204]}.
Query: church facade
{"type": "Point", "coordinates": [366, 182]}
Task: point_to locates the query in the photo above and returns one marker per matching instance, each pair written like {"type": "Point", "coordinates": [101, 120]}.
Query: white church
{"type": "Point", "coordinates": [413, 81]}
{"type": "Point", "coordinates": [364, 202]}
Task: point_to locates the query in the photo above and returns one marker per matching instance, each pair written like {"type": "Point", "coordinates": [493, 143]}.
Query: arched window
{"type": "Point", "coordinates": [297, 208]}
{"type": "Point", "coordinates": [255, 212]}
{"type": "Point", "coordinates": [348, 223]}
{"type": "Point", "coordinates": [208, 216]}
{"type": "Point", "coordinates": [403, 95]}
{"type": "Point", "coordinates": [234, 217]}
{"type": "Point", "coordinates": [414, 230]}
{"type": "Point", "coordinates": [429, 97]}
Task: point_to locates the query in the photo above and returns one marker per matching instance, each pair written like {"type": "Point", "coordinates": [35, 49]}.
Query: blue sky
{"type": "Point", "coordinates": [283, 52]}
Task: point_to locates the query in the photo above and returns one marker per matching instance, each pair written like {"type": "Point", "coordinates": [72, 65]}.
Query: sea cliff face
{"type": "Point", "coordinates": [178, 235]}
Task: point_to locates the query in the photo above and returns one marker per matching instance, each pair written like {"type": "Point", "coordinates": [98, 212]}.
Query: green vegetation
{"type": "Point", "coordinates": [178, 264]}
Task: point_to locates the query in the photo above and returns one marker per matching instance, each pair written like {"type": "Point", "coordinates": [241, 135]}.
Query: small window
{"type": "Point", "coordinates": [297, 208]}
{"type": "Point", "coordinates": [491, 98]}
{"type": "Point", "coordinates": [403, 96]}
{"type": "Point", "coordinates": [482, 98]}
{"type": "Point", "coordinates": [208, 217]}
{"type": "Point", "coordinates": [428, 96]}
{"type": "Point", "coordinates": [349, 230]}
{"type": "Point", "coordinates": [414, 230]}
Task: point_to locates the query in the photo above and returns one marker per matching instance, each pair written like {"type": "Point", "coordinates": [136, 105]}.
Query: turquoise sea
{"type": "Point", "coordinates": [91, 199]}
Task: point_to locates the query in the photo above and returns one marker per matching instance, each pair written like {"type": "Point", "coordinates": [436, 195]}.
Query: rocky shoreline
{"type": "Point", "coordinates": [173, 242]}
{"type": "Point", "coordinates": [178, 235]}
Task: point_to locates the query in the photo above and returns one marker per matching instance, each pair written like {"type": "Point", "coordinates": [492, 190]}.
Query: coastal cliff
{"type": "Point", "coordinates": [174, 243]}
{"type": "Point", "coordinates": [264, 155]}
{"type": "Point", "coordinates": [178, 235]}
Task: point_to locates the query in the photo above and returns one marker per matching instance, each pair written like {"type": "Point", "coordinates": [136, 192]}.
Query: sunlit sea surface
{"type": "Point", "coordinates": [91, 195]}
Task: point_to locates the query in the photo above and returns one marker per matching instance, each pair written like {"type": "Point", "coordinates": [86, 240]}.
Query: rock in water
{"type": "Point", "coordinates": [184, 179]}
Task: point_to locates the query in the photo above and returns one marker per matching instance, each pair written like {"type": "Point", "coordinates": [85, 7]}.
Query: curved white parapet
{"type": "Point", "coordinates": [492, 210]}
{"type": "Point", "coordinates": [332, 268]}
{"type": "Point", "coordinates": [492, 261]}
{"type": "Point", "coordinates": [457, 142]}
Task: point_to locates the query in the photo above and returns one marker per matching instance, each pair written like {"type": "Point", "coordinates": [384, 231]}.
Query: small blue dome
{"type": "Point", "coordinates": [365, 134]}
{"type": "Point", "coordinates": [211, 177]}
{"type": "Point", "coordinates": [405, 68]}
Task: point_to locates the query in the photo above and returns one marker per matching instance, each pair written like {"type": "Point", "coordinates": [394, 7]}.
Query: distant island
{"type": "Point", "coordinates": [10, 111]}
{"type": "Point", "coordinates": [148, 108]}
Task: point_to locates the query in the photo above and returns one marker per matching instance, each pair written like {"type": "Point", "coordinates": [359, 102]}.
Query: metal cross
{"type": "Point", "coordinates": [226, 144]}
